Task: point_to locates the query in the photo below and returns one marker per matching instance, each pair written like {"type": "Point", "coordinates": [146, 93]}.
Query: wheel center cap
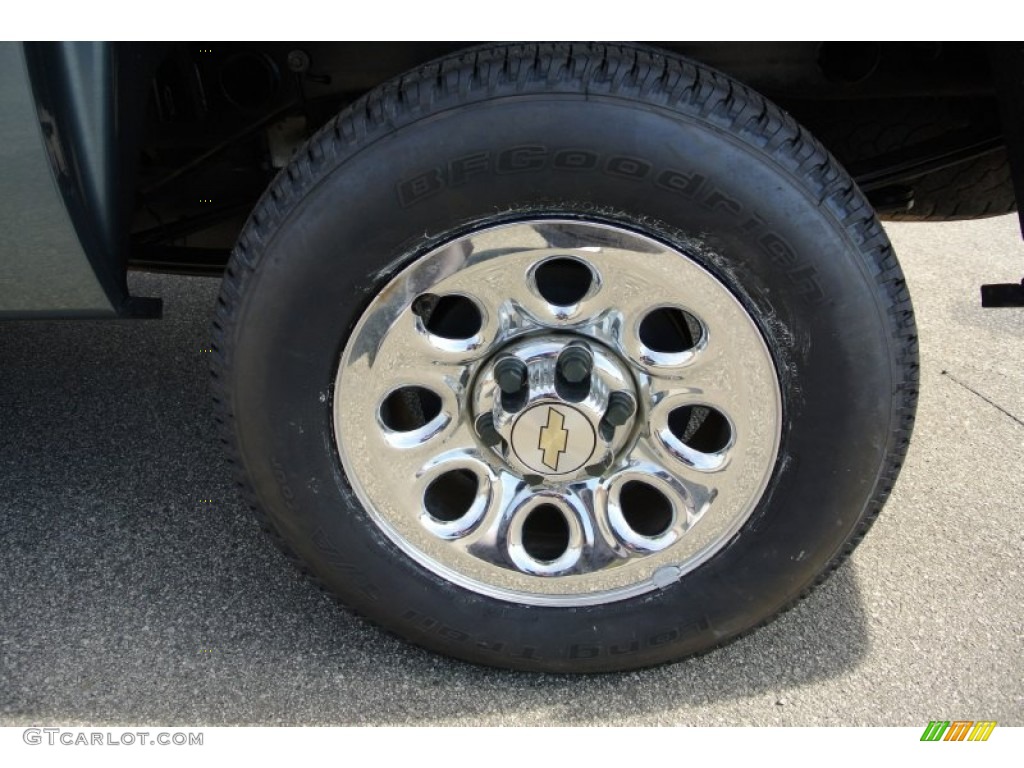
{"type": "Point", "coordinates": [556, 408]}
{"type": "Point", "coordinates": [553, 438]}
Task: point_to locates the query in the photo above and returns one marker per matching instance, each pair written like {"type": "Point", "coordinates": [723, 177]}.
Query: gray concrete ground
{"type": "Point", "coordinates": [125, 598]}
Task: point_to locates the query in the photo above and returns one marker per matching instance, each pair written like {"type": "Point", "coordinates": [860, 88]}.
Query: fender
{"type": "Point", "coordinates": [69, 144]}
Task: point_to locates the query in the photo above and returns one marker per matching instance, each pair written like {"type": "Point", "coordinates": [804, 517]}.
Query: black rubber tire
{"type": "Point", "coordinates": [858, 132]}
{"type": "Point", "coordinates": [974, 189]}
{"type": "Point", "coordinates": [713, 169]}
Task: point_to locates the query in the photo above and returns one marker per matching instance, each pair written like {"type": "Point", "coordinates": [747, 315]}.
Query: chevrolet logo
{"type": "Point", "coordinates": [553, 439]}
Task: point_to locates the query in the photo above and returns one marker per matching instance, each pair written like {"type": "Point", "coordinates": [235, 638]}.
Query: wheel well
{"type": "Point", "coordinates": [220, 119]}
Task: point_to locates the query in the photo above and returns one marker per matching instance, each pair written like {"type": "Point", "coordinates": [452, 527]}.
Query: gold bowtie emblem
{"type": "Point", "coordinates": [553, 439]}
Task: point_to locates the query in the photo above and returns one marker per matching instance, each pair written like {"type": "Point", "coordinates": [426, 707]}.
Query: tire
{"type": "Point", "coordinates": [667, 186]}
{"type": "Point", "coordinates": [974, 189]}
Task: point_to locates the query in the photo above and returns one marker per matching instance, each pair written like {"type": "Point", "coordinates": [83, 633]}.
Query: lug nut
{"type": "Point", "coordinates": [485, 429]}
{"type": "Point", "coordinates": [510, 373]}
{"type": "Point", "coordinates": [621, 406]}
{"type": "Point", "coordinates": [574, 363]}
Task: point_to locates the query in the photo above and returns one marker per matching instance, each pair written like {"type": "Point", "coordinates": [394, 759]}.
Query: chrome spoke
{"type": "Point", "coordinates": [418, 460]}
{"type": "Point", "coordinates": [694, 486]}
{"type": "Point", "coordinates": [709, 377]}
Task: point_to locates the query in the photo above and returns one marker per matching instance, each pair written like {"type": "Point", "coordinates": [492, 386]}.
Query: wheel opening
{"type": "Point", "coordinates": [645, 509]}
{"type": "Point", "coordinates": [450, 317]}
{"type": "Point", "coordinates": [702, 428]}
{"type": "Point", "coordinates": [451, 495]}
{"type": "Point", "coordinates": [669, 329]}
{"type": "Point", "coordinates": [563, 281]}
{"type": "Point", "coordinates": [545, 533]}
{"type": "Point", "coordinates": [409, 408]}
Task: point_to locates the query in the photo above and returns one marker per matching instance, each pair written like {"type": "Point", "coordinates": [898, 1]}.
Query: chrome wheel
{"type": "Point", "coordinates": [557, 412]}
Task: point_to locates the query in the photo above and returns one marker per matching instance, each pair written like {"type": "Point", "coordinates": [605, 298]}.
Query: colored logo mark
{"type": "Point", "coordinates": [958, 730]}
{"type": "Point", "coordinates": [554, 438]}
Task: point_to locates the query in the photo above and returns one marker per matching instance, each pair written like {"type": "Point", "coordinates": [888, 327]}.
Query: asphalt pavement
{"type": "Point", "coordinates": [135, 587]}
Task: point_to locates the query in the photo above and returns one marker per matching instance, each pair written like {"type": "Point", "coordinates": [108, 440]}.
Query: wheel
{"type": "Point", "coordinates": [568, 358]}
